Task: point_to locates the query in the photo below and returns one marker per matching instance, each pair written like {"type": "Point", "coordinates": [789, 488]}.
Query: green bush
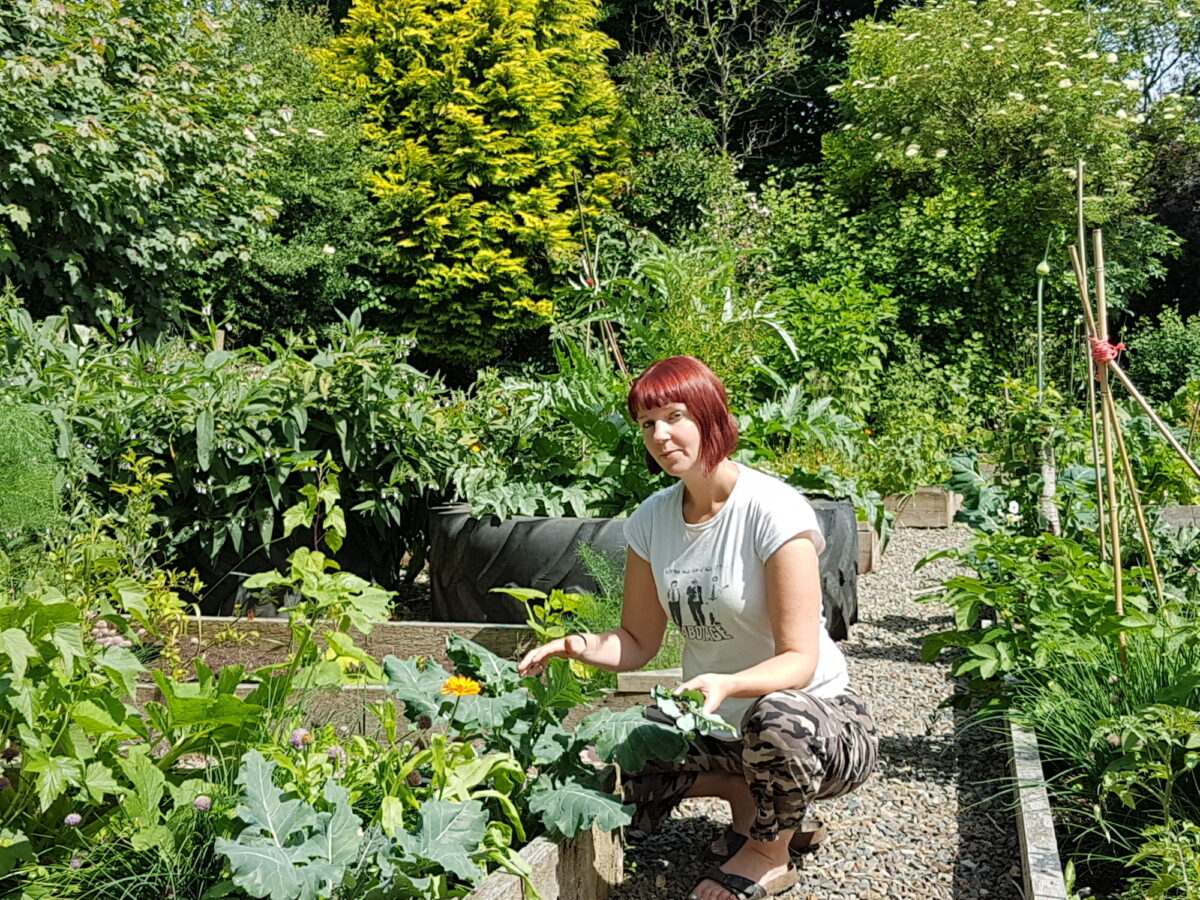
{"type": "Point", "coordinates": [489, 115]}
{"type": "Point", "coordinates": [235, 431]}
{"type": "Point", "coordinates": [127, 153]}
{"type": "Point", "coordinates": [29, 478]}
{"type": "Point", "coordinates": [678, 175]}
{"type": "Point", "coordinates": [691, 298]}
{"type": "Point", "coordinates": [1164, 355]}
{"type": "Point", "coordinates": [319, 255]}
{"type": "Point", "coordinates": [951, 170]}
{"type": "Point", "coordinates": [840, 329]}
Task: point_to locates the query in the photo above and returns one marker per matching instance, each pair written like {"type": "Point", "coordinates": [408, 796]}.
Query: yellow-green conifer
{"type": "Point", "coordinates": [487, 111]}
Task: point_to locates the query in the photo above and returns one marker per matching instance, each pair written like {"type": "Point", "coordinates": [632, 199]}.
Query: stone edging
{"type": "Point", "coordinates": [1040, 862]}
{"type": "Point", "coordinates": [587, 867]}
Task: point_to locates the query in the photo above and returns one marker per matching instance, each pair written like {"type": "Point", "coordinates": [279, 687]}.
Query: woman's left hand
{"type": "Point", "coordinates": [715, 688]}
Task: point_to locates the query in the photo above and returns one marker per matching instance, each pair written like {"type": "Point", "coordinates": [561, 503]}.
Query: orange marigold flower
{"type": "Point", "coordinates": [460, 686]}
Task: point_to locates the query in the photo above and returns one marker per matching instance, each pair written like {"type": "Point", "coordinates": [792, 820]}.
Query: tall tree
{"type": "Point", "coordinates": [488, 114]}
{"type": "Point", "coordinates": [127, 153]}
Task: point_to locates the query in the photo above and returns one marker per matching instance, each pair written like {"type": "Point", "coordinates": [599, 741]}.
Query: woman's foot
{"type": "Point", "coordinates": [764, 862]}
{"type": "Point", "coordinates": [809, 837]}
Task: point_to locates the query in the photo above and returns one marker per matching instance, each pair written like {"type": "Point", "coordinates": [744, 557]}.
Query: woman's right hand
{"type": "Point", "coordinates": [534, 662]}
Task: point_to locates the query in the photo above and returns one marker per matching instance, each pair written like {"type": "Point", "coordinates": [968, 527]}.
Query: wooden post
{"type": "Point", "coordinates": [219, 339]}
{"type": "Point", "coordinates": [1143, 528]}
{"type": "Point", "coordinates": [1110, 475]}
{"type": "Point", "coordinates": [1079, 262]}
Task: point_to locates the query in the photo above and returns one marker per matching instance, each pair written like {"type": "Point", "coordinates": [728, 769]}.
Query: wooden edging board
{"type": "Point", "coordinates": [928, 507]}
{"type": "Point", "coordinates": [587, 867]}
{"type": "Point", "coordinates": [1040, 862]}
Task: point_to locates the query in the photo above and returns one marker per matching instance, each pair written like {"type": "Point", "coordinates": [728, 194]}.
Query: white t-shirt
{"type": "Point", "coordinates": [711, 581]}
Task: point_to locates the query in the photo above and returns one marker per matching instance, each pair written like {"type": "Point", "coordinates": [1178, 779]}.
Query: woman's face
{"type": "Point", "coordinates": [672, 437]}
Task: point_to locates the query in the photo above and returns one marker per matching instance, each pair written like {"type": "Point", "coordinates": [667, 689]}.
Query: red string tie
{"type": "Point", "coordinates": [1103, 351]}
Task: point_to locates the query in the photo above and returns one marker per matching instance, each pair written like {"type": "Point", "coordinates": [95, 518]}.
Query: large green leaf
{"type": "Point", "coordinates": [288, 851]}
{"type": "Point", "coordinates": [266, 809]}
{"type": "Point", "coordinates": [630, 739]}
{"type": "Point", "coordinates": [15, 645]}
{"type": "Point", "coordinates": [552, 743]}
{"type": "Point", "coordinates": [54, 774]}
{"type": "Point", "coordinates": [68, 640]}
{"type": "Point", "coordinates": [497, 673]}
{"type": "Point", "coordinates": [561, 689]}
{"type": "Point", "coordinates": [486, 714]}
{"type": "Point", "coordinates": [98, 780]}
{"type": "Point", "coordinates": [142, 803]}
{"type": "Point", "coordinates": [119, 664]}
{"type": "Point", "coordinates": [448, 834]}
{"type": "Point", "coordinates": [418, 688]}
{"type": "Point", "coordinates": [572, 808]}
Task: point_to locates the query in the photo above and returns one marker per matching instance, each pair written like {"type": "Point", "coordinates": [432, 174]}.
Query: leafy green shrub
{"type": "Point", "coordinates": [677, 175]}
{"type": "Point", "coordinates": [127, 153]}
{"type": "Point", "coordinates": [922, 414]}
{"type": "Point", "coordinates": [549, 445]}
{"type": "Point", "coordinates": [319, 255]}
{"type": "Point", "coordinates": [29, 478]}
{"type": "Point", "coordinates": [239, 430]}
{"type": "Point", "coordinates": [691, 299]}
{"type": "Point", "coordinates": [489, 116]}
{"type": "Point", "coordinates": [839, 326]}
{"type": "Point", "coordinates": [1164, 355]}
{"type": "Point", "coordinates": [959, 125]}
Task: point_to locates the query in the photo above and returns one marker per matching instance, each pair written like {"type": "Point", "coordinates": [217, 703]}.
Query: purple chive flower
{"type": "Point", "coordinates": [72, 819]}
{"type": "Point", "coordinates": [5, 784]}
{"type": "Point", "coordinates": [337, 755]}
{"type": "Point", "coordinates": [300, 737]}
{"type": "Point", "coordinates": [76, 862]}
{"type": "Point", "coordinates": [203, 803]}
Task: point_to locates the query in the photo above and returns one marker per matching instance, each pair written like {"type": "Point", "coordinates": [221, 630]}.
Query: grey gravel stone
{"type": "Point", "coordinates": [932, 822]}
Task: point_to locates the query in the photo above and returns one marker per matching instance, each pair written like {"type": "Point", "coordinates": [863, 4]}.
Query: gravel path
{"type": "Point", "coordinates": [929, 824]}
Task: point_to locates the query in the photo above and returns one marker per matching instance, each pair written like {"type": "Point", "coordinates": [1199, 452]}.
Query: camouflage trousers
{"type": "Point", "coordinates": [794, 749]}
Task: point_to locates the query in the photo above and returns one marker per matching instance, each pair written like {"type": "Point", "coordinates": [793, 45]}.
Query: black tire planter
{"type": "Point", "coordinates": [469, 556]}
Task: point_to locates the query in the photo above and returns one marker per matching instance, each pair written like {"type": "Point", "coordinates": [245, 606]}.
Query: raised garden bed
{"type": "Point", "coordinates": [262, 641]}
{"type": "Point", "coordinates": [928, 507]}
{"type": "Point", "coordinates": [587, 867]}
{"type": "Point", "coordinates": [870, 548]}
{"type": "Point", "coordinates": [1041, 865]}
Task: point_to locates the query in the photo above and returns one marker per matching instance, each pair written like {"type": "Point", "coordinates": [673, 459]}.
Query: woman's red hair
{"type": "Point", "coordinates": [686, 380]}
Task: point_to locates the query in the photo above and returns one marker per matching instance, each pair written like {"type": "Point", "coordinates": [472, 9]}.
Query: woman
{"type": "Point", "coordinates": [756, 647]}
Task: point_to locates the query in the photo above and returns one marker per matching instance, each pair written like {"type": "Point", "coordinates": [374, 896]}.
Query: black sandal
{"type": "Point", "coordinates": [809, 837]}
{"type": "Point", "coordinates": [743, 888]}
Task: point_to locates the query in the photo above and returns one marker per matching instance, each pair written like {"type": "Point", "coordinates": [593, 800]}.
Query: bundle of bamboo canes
{"type": "Point", "coordinates": [1102, 356]}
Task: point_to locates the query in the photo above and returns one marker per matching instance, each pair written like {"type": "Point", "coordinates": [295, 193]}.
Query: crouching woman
{"type": "Point", "coordinates": [730, 555]}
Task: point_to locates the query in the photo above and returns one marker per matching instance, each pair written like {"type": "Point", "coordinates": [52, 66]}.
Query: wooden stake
{"type": "Point", "coordinates": [1159, 423]}
{"type": "Point", "coordinates": [1110, 480]}
{"type": "Point", "coordinates": [1143, 528]}
{"type": "Point", "coordinates": [1090, 327]}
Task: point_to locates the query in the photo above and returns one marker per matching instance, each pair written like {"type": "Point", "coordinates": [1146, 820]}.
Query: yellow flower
{"type": "Point", "coordinates": [460, 686]}
{"type": "Point", "coordinates": [477, 447]}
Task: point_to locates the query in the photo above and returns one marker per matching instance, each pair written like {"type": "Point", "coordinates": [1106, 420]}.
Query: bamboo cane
{"type": "Point", "coordinates": [1159, 423]}
{"type": "Point", "coordinates": [1138, 510]}
{"type": "Point", "coordinates": [1110, 479]}
{"type": "Point", "coordinates": [1089, 322]}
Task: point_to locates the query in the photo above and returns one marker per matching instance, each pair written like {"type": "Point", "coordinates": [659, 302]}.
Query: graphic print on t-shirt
{"type": "Point", "coordinates": [692, 602]}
